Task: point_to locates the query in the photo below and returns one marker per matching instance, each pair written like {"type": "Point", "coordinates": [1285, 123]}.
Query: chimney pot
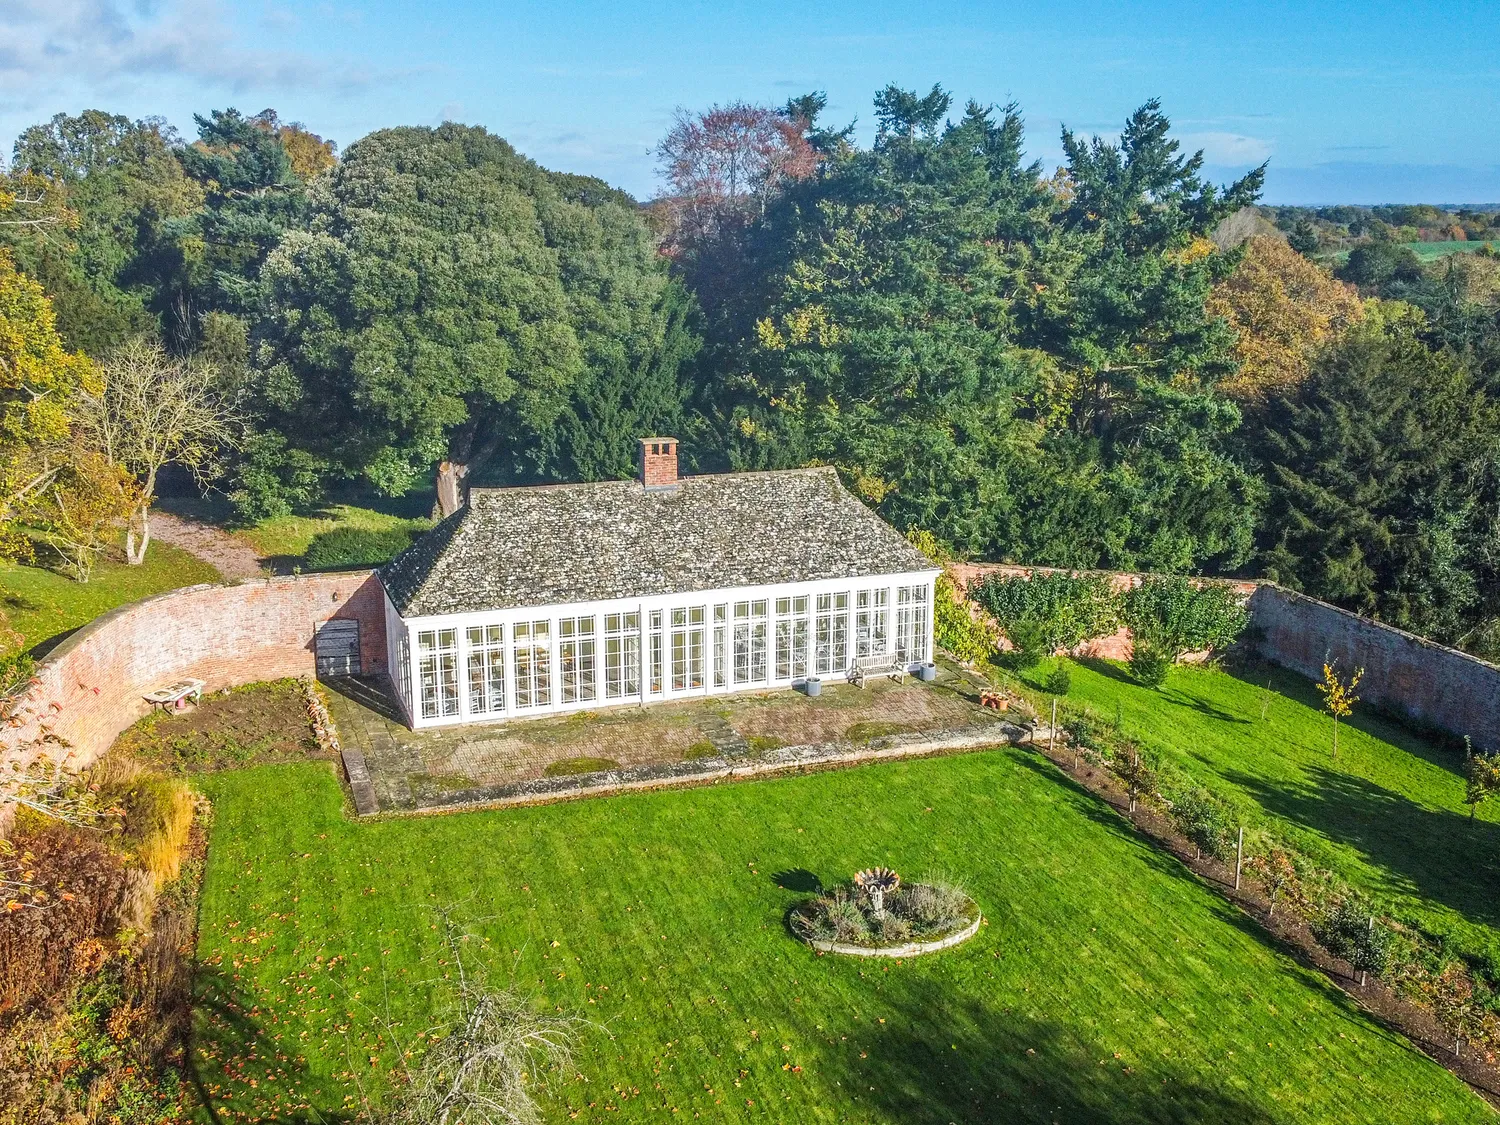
{"type": "Point", "coordinates": [659, 463]}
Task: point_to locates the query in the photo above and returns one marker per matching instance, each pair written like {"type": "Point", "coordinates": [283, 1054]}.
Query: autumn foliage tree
{"type": "Point", "coordinates": [724, 165]}
{"type": "Point", "coordinates": [1281, 307]}
{"type": "Point", "coordinates": [154, 410]}
{"type": "Point", "coordinates": [39, 385]}
{"type": "Point", "coordinates": [82, 508]}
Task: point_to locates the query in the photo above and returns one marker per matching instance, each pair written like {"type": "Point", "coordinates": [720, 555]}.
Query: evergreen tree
{"type": "Point", "coordinates": [251, 196]}
{"type": "Point", "coordinates": [1024, 367]}
{"type": "Point", "coordinates": [1383, 470]}
{"type": "Point", "coordinates": [123, 184]}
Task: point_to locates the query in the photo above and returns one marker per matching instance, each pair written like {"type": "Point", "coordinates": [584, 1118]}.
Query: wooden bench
{"type": "Point", "coordinates": [866, 666]}
{"type": "Point", "coordinates": [175, 697]}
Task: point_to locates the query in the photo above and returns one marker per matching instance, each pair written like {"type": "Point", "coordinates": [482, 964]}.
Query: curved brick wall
{"type": "Point", "coordinates": [89, 687]}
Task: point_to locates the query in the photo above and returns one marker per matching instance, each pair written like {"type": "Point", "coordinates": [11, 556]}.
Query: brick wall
{"type": "Point", "coordinates": [1427, 681]}
{"type": "Point", "coordinates": [1431, 683]}
{"type": "Point", "coordinates": [89, 687]}
{"type": "Point", "coordinates": [1116, 646]}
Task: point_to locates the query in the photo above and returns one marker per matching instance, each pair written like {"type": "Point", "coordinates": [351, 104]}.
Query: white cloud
{"type": "Point", "coordinates": [58, 48]}
{"type": "Point", "coordinates": [1228, 148]}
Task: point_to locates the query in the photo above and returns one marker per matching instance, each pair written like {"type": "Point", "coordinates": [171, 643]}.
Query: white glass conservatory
{"type": "Point", "coordinates": [473, 667]}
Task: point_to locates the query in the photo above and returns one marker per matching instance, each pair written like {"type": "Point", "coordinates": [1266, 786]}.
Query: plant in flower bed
{"type": "Point", "coordinates": [1460, 995]}
{"type": "Point", "coordinates": [883, 911]}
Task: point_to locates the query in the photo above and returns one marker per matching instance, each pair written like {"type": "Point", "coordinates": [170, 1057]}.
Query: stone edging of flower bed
{"type": "Point", "coordinates": [705, 771]}
{"type": "Point", "coordinates": [909, 949]}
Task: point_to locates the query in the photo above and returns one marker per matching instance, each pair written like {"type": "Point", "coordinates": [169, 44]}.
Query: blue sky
{"type": "Point", "coordinates": [1365, 103]}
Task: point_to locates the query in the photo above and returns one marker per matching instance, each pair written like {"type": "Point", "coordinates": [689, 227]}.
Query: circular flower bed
{"type": "Point", "coordinates": [911, 919]}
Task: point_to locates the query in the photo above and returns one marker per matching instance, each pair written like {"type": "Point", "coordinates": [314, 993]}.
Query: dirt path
{"type": "Point", "coordinates": [233, 558]}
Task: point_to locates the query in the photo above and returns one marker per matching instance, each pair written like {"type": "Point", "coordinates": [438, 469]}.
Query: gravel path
{"type": "Point", "coordinates": [233, 558]}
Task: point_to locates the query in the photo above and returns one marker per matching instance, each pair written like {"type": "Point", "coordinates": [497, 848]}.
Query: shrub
{"type": "Point", "coordinates": [1172, 616]}
{"type": "Point", "coordinates": [1048, 612]}
{"type": "Point", "coordinates": [1278, 874]}
{"type": "Point", "coordinates": [158, 814]}
{"type": "Point", "coordinates": [930, 907]}
{"type": "Point", "coordinates": [1149, 664]}
{"type": "Point", "coordinates": [354, 546]}
{"type": "Point", "coordinates": [1028, 645]}
{"type": "Point", "coordinates": [45, 952]}
{"type": "Point", "coordinates": [1205, 820]}
{"type": "Point", "coordinates": [1350, 931]}
{"type": "Point", "coordinates": [956, 628]}
{"type": "Point", "coordinates": [1059, 680]}
{"type": "Point", "coordinates": [920, 911]}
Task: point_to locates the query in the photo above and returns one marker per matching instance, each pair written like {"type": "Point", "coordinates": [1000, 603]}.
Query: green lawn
{"type": "Point", "coordinates": [1108, 986]}
{"type": "Point", "coordinates": [1388, 815]}
{"type": "Point", "coordinates": [1431, 251]}
{"type": "Point", "coordinates": [39, 604]}
{"type": "Point", "coordinates": [285, 539]}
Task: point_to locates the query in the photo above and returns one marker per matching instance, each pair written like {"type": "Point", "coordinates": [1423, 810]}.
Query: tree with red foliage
{"type": "Point", "coordinates": [722, 166]}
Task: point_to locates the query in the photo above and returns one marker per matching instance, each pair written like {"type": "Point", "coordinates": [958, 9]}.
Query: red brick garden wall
{"type": "Point", "coordinates": [1425, 680]}
{"type": "Point", "coordinates": [1116, 646]}
{"type": "Point", "coordinates": [89, 687]}
{"type": "Point", "coordinates": [1428, 681]}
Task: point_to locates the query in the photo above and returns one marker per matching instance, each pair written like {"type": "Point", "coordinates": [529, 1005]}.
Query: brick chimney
{"type": "Point", "coordinates": [659, 463]}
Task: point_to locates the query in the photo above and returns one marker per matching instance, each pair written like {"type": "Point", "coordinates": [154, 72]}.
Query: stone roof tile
{"type": "Point", "coordinates": [556, 544]}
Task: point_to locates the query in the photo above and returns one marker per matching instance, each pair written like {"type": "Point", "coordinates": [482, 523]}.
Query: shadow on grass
{"type": "Point", "coordinates": [798, 879]}
{"type": "Point", "coordinates": [952, 1058]}
{"type": "Point", "coordinates": [1300, 689]}
{"type": "Point", "coordinates": [12, 602]}
{"type": "Point", "coordinates": [236, 1069]}
{"type": "Point", "coordinates": [1169, 693]}
{"type": "Point", "coordinates": [44, 648]}
{"type": "Point", "coordinates": [1109, 670]}
{"type": "Point", "coordinates": [1438, 853]}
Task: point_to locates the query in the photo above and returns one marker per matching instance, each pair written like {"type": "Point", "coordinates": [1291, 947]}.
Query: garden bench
{"type": "Point", "coordinates": [176, 696]}
{"type": "Point", "coordinates": [882, 665]}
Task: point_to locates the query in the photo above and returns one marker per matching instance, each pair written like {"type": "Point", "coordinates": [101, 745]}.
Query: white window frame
{"type": "Point", "coordinates": [578, 659]}
{"type": "Point", "coordinates": [871, 621]}
{"type": "Point", "coordinates": [913, 623]}
{"type": "Point", "coordinates": [437, 672]}
{"type": "Point", "coordinates": [831, 636]}
{"type": "Point", "coordinates": [531, 663]}
{"type": "Point", "coordinates": [793, 637]}
{"type": "Point", "coordinates": [751, 618]}
{"type": "Point", "coordinates": [762, 664]}
{"type": "Point", "coordinates": [622, 656]}
{"type": "Point", "coordinates": [688, 648]}
{"type": "Point", "coordinates": [485, 658]}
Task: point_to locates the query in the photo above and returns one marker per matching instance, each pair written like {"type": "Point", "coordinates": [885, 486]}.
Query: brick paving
{"type": "Point", "coordinates": [411, 768]}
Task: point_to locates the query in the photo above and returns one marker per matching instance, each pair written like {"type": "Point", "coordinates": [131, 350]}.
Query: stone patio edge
{"type": "Point", "coordinates": [707, 771]}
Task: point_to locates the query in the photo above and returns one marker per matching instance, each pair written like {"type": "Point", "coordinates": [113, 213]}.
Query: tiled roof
{"type": "Point", "coordinates": [514, 547]}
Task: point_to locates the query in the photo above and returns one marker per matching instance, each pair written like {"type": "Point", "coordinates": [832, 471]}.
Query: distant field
{"type": "Point", "coordinates": [1431, 251]}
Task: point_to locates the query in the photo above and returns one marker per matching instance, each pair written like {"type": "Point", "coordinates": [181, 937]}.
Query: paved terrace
{"type": "Point", "coordinates": [485, 763]}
